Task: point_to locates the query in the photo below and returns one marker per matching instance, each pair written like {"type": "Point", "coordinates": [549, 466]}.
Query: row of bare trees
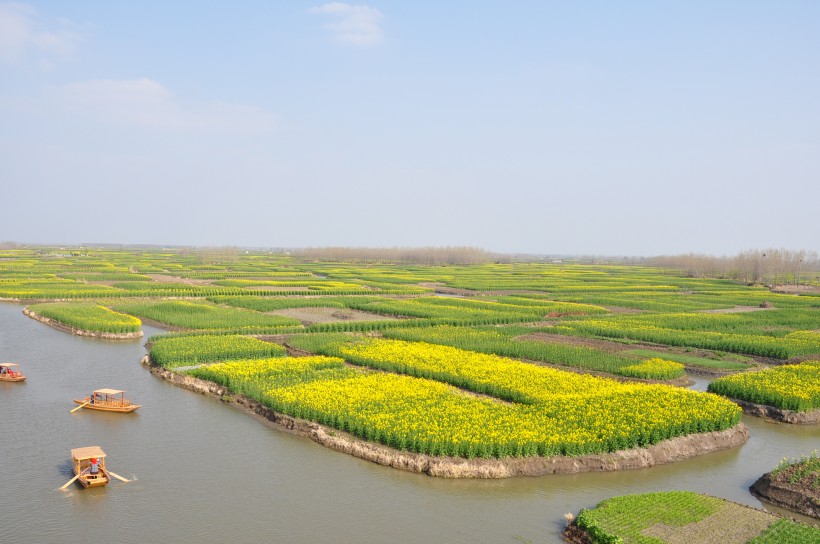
{"type": "Point", "coordinates": [418, 255]}
{"type": "Point", "coordinates": [767, 266]}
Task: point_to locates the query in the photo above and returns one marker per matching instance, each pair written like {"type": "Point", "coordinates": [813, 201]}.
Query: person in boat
{"type": "Point", "coordinates": [91, 398]}
{"type": "Point", "coordinates": [2, 370]}
{"type": "Point", "coordinates": [94, 469]}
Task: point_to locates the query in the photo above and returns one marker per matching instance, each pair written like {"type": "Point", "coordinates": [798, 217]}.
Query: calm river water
{"type": "Point", "coordinates": [205, 472]}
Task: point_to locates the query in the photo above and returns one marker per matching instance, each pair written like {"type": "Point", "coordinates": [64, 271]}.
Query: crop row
{"type": "Point", "coordinates": [171, 352]}
{"type": "Point", "coordinates": [498, 341]}
{"type": "Point", "coordinates": [751, 344]}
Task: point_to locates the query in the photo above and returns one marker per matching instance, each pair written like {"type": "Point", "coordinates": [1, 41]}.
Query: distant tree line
{"type": "Point", "coordinates": [767, 266]}
{"type": "Point", "coordinates": [418, 255]}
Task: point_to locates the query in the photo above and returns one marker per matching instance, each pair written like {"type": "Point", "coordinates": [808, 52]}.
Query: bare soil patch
{"type": "Point", "coordinates": [722, 527]}
{"type": "Point", "coordinates": [795, 289]}
{"type": "Point", "coordinates": [309, 316]}
{"type": "Point", "coordinates": [621, 309]}
{"type": "Point", "coordinates": [165, 278]}
{"type": "Point", "coordinates": [603, 345]}
{"type": "Point", "coordinates": [668, 451]}
{"type": "Point", "coordinates": [736, 310]}
{"type": "Point", "coordinates": [276, 288]}
{"type": "Point", "coordinates": [611, 346]}
{"type": "Point", "coordinates": [443, 289]}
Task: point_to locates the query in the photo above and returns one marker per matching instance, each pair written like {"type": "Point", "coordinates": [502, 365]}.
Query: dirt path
{"type": "Point", "coordinates": [735, 310]}
{"type": "Point", "coordinates": [309, 316]}
{"type": "Point", "coordinates": [165, 278]}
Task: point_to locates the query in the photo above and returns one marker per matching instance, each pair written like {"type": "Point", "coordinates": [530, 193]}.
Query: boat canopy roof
{"type": "Point", "coordinates": [109, 391]}
{"type": "Point", "coordinates": [87, 453]}
{"type": "Point", "coordinates": [9, 364]}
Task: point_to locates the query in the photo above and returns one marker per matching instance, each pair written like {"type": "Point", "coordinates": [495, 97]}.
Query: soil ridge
{"type": "Point", "coordinates": [781, 415]}
{"type": "Point", "coordinates": [780, 492]}
{"type": "Point", "coordinates": [667, 451]}
{"type": "Point", "coordinates": [81, 332]}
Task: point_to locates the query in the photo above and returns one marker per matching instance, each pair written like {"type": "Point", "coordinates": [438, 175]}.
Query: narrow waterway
{"type": "Point", "coordinates": [207, 473]}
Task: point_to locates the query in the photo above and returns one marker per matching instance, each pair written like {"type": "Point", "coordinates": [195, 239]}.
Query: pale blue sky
{"type": "Point", "coordinates": [571, 127]}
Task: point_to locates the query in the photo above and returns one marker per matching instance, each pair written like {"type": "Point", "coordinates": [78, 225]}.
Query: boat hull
{"type": "Point", "coordinates": [6, 378]}
{"type": "Point", "coordinates": [87, 482]}
{"type": "Point", "coordinates": [127, 408]}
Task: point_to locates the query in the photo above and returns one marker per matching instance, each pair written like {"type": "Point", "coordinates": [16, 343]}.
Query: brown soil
{"type": "Point", "coordinates": [80, 332]}
{"type": "Point", "coordinates": [575, 535]}
{"type": "Point", "coordinates": [732, 524]}
{"type": "Point", "coordinates": [780, 415]}
{"type": "Point", "coordinates": [611, 346]}
{"type": "Point", "coordinates": [668, 451]}
{"type": "Point", "coordinates": [621, 309]}
{"type": "Point", "coordinates": [444, 290]}
{"type": "Point", "coordinates": [736, 310]}
{"type": "Point", "coordinates": [276, 288]}
{"type": "Point", "coordinates": [799, 497]}
{"type": "Point", "coordinates": [165, 278]}
{"type": "Point", "coordinates": [795, 289]}
{"type": "Point", "coordinates": [308, 316]}
{"type": "Point", "coordinates": [603, 345]}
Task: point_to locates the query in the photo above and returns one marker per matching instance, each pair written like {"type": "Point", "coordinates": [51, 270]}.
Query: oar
{"type": "Point", "coordinates": [71, 481]}
{"type": "Point", "coordinates": [78, 407]}
{"type": "Point", "coordinates": [117, 476]}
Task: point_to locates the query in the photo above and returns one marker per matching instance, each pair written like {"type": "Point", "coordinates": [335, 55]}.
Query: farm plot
{"type": "Point", "coordinates": [683, 517]}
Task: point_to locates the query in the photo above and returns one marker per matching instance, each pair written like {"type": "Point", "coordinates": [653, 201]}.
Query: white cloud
{"type": "Point", "coordinates": [353, 24]}
{"type": "Point", "coordinates": [22, 35]}
{"type": "Point", "coordinates": [147, 103]}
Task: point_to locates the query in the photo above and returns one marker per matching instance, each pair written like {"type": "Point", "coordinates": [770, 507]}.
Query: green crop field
{"type": "Point", "coordinates": [684, 516]}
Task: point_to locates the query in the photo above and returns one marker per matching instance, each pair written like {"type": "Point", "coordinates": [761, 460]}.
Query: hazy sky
{"type": "Point", "coordinates": [573, 127]}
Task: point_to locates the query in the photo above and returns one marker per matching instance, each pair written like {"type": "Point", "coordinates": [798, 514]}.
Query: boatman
{"type": "Point", "coordinates": [95, 467]}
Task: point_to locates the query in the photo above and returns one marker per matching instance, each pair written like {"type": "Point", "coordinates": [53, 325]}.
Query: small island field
{"type": "Point", "coordinates": [683, 516]}
{"type": "Point", "coordinates": [85, 319]}
{"type": "Point", "coordinates": [453, 466]}
{"type": "Point", "coordinates": [794, 484]}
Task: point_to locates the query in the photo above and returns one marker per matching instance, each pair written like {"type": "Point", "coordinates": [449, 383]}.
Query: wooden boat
{"type": "Point", "coordinates": [10, 372]}
{"type": "Point", "coordinates": [109, 400]}
{"type": "Point", "coordinates": [82, 460]}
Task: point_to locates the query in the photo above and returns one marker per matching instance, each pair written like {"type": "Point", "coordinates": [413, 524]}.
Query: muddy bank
{"type": "Point", "coordinates": [781, 415]}
{"type": "Point", "coordinates": [799, 497]}
{"type": "Point", "coordinates": [80, 332]}
{"type": "Point", "coordinates": [668, 451]}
